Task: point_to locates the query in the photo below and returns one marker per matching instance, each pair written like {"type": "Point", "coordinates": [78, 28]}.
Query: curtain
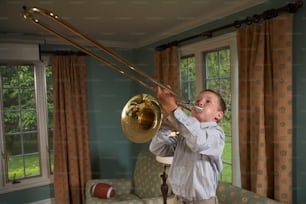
{"type": "Point", "coordinates": [71, 138]}
{"type": "Point", "coordinates": [265, 101]}
{"type": "Point", "coordinates": [166, 67]}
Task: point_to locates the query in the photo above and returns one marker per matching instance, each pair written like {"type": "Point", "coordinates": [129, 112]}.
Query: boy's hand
{"type": "Point", "coordinates": [166, 100]}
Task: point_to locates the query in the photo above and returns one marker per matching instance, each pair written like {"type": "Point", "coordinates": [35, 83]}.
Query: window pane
{"type": "Point", "coordinates": [9, 76]}
{"type": "Point", "coordinates": [212, 65]}
{"type": "Point", "coordinates": [27, 98]}
{"type": "Point", "coordinates": [11, 121]}
{"type": "Point", "coordinates": [184, 89]}
{"type": "Point", "coordinates": [32, 165]}
{"type": "Point", "coordinates": [227, 126]}
{"type": "Point", "coordinates": [28, 120]}
{"type": "Point", "coordinates": [187, 66]}
{"type": "Point", "coordinates": [13, 145]}
{"type": "Point", "coordinates": [30, 143]}
{"type": "Point", "coordinates": [26, 76]}
{"type": "Point", "coordinates": [184, 72]}
{"type": "Point", "coordinates": [227, 152]}
{"type": "Point", "coordinates": [224, 62]}
{"type": "Point", "coordinates": [225, 90]}
{"type": "Point", "coordinates": [50, 118]}
{"type": "Point", "coordinates": [51, 150]}
{"type": "Point", "coordinates": [226, 175]}
{"type": "Point", "coordinates": [14, 164]}
{"type": "Point", "coordinates": [187, 77]}
{"type": "Point", "coordinates": [11, 97]}
{"type": "Point", "coordinates": [212, 84]}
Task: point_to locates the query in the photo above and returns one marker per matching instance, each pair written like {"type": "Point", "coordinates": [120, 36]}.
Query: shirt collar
{"type": "Point", "coordinates": [208, 124]}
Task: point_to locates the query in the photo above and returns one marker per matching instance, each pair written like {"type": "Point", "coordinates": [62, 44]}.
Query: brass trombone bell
{"type": "Point", "coordinates": [141, 117]}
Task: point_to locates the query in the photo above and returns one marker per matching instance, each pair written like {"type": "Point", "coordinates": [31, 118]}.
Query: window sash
{"type": "Point", "coordinates": [45, 176]}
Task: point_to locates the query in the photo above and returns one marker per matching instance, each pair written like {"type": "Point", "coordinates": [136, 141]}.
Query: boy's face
{"type": "Point", "coordinates": [210, 104]}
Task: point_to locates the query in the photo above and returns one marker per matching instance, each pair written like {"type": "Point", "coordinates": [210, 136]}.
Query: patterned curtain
{"type": "Point", "coordinates": [265, 101]}
{"type": "Point", "coordinates": [71, 138]}
{"type": "Point", "coordinates": [166, 67]}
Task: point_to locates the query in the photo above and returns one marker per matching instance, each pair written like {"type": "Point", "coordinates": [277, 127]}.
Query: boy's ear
{"type": "Point", "coordinates": [219, 115]}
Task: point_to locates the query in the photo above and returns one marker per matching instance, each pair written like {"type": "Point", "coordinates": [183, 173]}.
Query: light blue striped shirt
{"type": "Point", "coordinates": [196, 152]}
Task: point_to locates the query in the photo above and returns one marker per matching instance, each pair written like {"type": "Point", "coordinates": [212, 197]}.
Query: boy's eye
{"type": "Point", "coordinates": [208, 101]}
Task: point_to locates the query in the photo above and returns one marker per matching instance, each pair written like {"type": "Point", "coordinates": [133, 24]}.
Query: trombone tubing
{"type": "Point", "coordinates": [28, 14]}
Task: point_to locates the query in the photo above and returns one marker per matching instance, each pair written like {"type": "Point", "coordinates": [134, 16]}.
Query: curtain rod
{"type": "Point", "coordinates": [62, 52]}
{"type": "Point", "coordinates": [266, 15]}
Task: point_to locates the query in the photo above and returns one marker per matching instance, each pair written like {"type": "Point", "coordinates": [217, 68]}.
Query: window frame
{"type": "Point", "coordinates": [42, 127]}
{"type": "Point", "coordinates": [197, 49]}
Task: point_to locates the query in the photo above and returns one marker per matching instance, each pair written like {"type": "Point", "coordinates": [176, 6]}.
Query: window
{"type": "Point", "coordinates": [26, 125]}
{"type": "Point", "coordinates": [187, 77]}
{"type": "Point", "coordinates": [213, 64]}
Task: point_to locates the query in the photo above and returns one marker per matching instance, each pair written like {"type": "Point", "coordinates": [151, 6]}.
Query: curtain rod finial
{"type": "Point", "coordinates": [293, 7]}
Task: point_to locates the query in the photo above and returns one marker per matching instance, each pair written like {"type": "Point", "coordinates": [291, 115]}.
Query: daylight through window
{"type": "Point", "coordinates": [26, 120]}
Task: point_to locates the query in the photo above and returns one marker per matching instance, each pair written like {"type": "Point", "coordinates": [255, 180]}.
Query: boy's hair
{"type": "Point", "coordinates": [222, 105]}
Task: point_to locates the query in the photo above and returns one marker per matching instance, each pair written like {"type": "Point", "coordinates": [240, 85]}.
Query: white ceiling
{"type": "Point", "coordinates": [118, 23]}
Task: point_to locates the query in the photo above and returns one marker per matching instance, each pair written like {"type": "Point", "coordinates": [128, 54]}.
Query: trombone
{"type": "Point", "coordinates": [141, 117]}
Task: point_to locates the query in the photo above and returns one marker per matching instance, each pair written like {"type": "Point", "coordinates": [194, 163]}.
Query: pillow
{"type": "Point", "coordinates": [102, 190]}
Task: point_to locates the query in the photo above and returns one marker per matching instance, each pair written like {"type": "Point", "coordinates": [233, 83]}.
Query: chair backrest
{"type": "Point", "coordinates": [146, 178]}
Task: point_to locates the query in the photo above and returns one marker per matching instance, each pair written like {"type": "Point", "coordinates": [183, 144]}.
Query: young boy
{"type": "Point", "coordinates": [196, 150]}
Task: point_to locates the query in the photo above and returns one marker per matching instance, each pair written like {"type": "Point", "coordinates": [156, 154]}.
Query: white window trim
{"type": "Point", "coordinates": [45, 178]}
{"type": "Point", "coordinates": [197, 49]}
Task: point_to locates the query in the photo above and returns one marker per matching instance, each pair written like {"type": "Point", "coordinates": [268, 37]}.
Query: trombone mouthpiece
{"type": "Point", "coordinates": [198, 109]}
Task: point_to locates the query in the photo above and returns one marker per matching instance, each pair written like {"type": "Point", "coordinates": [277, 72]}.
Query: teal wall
{"type": "Point", "coordinates": [113, 155]}
{"type": "Point", "coordinates": [299, 107]}
{"type": "Point", "coordinates": [28, 195]}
